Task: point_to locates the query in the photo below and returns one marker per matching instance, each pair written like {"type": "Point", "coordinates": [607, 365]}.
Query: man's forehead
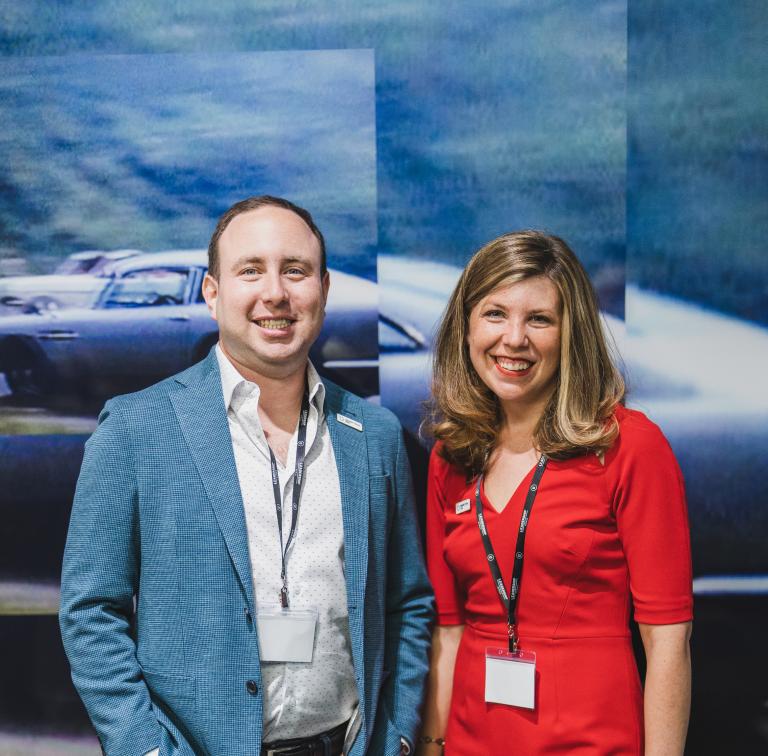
{"type": "Point", "coordinates": [269, 232]}
{"type": "Point", "coordinates": [266, 218]}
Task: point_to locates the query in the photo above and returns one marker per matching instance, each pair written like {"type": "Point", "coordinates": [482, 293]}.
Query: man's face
{"type": "Point", "coordinates": [270, 296]}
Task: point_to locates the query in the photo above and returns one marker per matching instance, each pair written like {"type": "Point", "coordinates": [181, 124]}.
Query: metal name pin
{"type": "Point", "coordinates": [349, 422]}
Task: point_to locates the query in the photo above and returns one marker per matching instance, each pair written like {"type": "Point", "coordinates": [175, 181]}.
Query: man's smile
{"type": "Point", "coordinates": [274, 324]}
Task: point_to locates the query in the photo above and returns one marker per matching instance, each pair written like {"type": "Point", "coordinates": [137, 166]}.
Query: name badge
{"type": "Point", "coordinates": [463, 506]}
{"type": "Point", "coordinates": [510, 677]}
{"type": "Point", "coordinates": [344, 420]}
{"type": "Point", "coordinates": [286, 635]}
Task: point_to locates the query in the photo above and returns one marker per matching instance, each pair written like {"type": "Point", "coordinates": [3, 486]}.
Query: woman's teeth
{"type": "Point", "coordinates": [513, 364]}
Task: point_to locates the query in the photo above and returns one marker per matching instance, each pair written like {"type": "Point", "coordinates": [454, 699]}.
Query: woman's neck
{"type": "Point", "coordinates": [519, 425]}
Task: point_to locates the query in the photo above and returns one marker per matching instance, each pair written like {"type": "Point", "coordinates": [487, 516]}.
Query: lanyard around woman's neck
{"type": "Point", "coordinates": [509, 601]}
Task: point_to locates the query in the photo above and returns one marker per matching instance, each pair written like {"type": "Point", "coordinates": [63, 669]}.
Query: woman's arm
{"type": "Point", "coordinates": [445, 644]}
{"type": "Point", "coordinates": [667, 700]}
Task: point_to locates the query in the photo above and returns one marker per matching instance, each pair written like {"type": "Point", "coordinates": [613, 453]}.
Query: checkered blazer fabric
{"type": "Point", "coordinates": [158, 524]}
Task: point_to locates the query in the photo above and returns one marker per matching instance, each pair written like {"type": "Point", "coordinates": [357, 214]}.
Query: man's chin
{"type": "Point", "coordinates": [274, 363]}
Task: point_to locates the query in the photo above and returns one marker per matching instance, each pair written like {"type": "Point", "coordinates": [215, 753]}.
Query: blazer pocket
{"type": "Point", "coordinates": [170, 688]}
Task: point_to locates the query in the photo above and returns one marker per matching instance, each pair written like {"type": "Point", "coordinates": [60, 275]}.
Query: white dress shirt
{"type": "Point", "coordinates": [300, 699]}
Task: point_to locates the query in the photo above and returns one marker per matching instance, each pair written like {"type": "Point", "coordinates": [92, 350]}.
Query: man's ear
{"type": "Point", "coordinates": [326, 286]}
{"type": "Point", "coordinates": [211, 293]}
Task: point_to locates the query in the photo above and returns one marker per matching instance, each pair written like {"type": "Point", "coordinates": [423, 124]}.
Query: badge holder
{"type": "Point", "coordinates": [286, 635]}
{"type": "Point", "coordinates": [510, 677]}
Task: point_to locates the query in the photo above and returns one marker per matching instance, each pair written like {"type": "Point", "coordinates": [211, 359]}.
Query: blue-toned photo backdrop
{"type": "Point", "coordinates": [636, 130]}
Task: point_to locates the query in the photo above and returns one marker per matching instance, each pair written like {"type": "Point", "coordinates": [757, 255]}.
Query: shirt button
{"type": "Point", "coordinates": [251, 687]}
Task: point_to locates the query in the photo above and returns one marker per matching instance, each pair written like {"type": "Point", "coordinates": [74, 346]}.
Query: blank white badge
{"type": "Point", "coordinates": [286, 635]}
{"type": "Point", "coordinates": [510, 677]}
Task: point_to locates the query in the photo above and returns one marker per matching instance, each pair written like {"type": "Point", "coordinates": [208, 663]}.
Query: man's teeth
{"type": "Point", "coordinates": [513, 364]}
{"type": "Point", "coordinates": [274, 323]}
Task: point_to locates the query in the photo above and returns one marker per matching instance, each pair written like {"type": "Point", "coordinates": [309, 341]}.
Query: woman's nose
{"type": "Point", "coordinates": [515, 334]}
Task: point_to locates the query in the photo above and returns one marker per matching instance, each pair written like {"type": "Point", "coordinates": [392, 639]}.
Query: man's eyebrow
{"type": "Point", "coordinates": [247, 260]}
{"type": "Point", "coordinates": [257, 260]}
{"type": "Point", "coordinates": [297, 259]}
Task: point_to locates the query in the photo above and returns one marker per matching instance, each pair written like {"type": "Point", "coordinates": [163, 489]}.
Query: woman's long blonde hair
{"type": "Point", "coordinates": [466, 414]}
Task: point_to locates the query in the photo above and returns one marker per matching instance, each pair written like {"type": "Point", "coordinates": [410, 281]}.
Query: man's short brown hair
{"type": "Point", "coordinates": [254, 203]}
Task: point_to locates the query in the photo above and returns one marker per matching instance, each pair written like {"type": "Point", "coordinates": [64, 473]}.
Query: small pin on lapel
{"type": "Point", "coordinates": [463, 506]}
{"type": "Point", "coordinates": [344, 420]}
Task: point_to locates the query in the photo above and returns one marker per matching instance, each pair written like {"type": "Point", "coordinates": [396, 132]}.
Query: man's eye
{"type": "Point", "coordinates": [249, 272]}
{"type": "Point", "coordinates": [295, 272]}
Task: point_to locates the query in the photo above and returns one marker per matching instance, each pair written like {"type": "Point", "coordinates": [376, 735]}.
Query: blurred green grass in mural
{"type": "Point", "coordinates": [489, 117]}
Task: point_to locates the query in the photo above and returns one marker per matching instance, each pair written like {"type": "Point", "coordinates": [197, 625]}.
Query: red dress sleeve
{"type": "Point", "coordinates": [450, 604]}
{"type": "Point", "coordinates": [652, 520]}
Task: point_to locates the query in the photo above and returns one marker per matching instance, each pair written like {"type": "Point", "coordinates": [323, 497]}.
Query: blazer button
{"type": "Point", "coordinates": [251, 687]}
{"type": "Point", "coordinates": [248, 617]}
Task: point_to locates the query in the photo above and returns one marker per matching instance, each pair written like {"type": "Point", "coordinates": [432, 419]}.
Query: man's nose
{"type": "Point", "coordinates": [274, 288]}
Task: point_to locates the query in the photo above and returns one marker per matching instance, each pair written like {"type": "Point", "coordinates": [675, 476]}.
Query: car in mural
{"type": "Point", "coordinates": [77, 282]}
{"type": "Point", "coordinates": [149, 321]}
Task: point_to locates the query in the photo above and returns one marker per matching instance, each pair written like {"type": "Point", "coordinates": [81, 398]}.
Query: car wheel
{"type": "Point", "coordinates": [25, 372]}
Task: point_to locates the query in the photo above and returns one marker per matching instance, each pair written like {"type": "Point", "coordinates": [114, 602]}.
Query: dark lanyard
{"type": "Point", "coordinates": [298, 479]}
{"type": "Point", "coordinates": [510, 602]}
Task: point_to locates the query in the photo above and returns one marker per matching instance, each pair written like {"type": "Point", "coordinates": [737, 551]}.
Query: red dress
{"type": "Point", "coordinates": [602, 539]}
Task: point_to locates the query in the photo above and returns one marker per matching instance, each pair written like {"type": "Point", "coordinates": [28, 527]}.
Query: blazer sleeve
{"type": "Point", "coordinates": [98, 584]}
{"type": "Point", "coordinates": [409, 617]}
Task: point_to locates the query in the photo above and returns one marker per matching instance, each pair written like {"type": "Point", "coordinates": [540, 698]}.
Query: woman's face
{"type": "Point", "coordinates": [514, 342]}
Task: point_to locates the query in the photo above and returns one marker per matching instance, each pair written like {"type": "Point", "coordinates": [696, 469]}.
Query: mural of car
{"type": "Point", "coordinates": [77, 282]}
{"type": "Point", "coordinates": [149, 321]}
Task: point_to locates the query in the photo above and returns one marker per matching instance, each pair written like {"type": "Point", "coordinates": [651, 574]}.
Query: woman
{"type": "Point", "coordinates": [540, 469]}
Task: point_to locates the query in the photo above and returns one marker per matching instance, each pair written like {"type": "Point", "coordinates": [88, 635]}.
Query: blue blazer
{"type": "Point", "coordinates": [157, 599]}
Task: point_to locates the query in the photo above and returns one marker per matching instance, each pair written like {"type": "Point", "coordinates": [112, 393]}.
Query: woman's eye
{"type": "Point", "coordinates": [493, 314]}
{"type": "Point", "coordinates": [540, 319]}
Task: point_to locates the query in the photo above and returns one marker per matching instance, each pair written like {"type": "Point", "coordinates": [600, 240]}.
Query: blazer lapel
{"type": "Point", "coordinates": [349, 447]}
{"type": "Point", "coordinates": [199, 406]}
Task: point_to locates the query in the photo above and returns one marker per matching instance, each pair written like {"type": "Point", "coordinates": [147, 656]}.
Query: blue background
{"type": "Point", "coordinates": [636, 130]}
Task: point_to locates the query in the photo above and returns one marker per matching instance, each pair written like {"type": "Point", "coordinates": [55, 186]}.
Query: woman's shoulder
{"type": "Point", "coordinates": [442, 469]}
{"type": "Point", "coordinates": [437, 459]}
{"type": "Point", "coordinates": [638, 434]}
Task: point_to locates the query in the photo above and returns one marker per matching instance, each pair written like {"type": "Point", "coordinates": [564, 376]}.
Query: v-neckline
{"type": "Point", "coordinates": [487, 501]}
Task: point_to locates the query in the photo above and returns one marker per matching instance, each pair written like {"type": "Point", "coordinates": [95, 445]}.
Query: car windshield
{"type": "Point", "coordinates": [394, 338]}
{"type": "Point", "coordinates": [73, 266]}
{"type": "Point", "coordinates": [147, 288]}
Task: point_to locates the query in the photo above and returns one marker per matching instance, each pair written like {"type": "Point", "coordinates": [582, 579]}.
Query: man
{"type": "Point", "coordinates": [243, 572]}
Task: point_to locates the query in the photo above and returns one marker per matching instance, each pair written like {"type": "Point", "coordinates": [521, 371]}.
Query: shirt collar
{"type": "Point", "coordinates": [231, 379]}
